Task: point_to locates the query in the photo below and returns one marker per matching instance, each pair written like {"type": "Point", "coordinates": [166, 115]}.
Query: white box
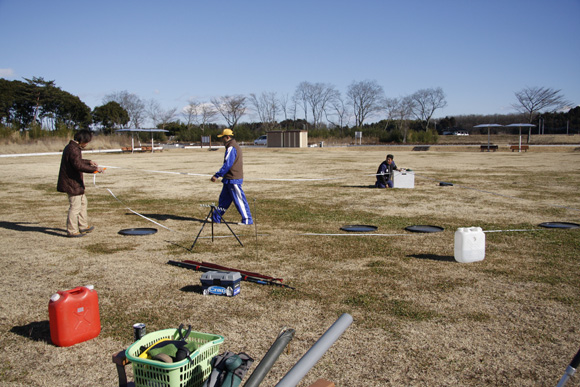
{"type": "Point", "coordinates": [404, 179]}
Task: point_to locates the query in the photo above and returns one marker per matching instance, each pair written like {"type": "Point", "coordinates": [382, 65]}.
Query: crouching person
{"type": "Point", "coordinates": [385, 173]}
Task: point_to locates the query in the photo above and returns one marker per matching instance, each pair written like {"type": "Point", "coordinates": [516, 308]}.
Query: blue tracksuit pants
{"type": "Point", "coordinates": [233, 193]}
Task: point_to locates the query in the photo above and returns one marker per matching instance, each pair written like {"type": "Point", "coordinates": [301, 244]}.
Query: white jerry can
{"type": "Point", "coordinates": [469, 244]}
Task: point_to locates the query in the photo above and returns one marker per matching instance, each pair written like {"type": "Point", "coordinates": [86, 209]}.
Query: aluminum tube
{"type": "Point", "coordinates": [270, 358]}
{"type": "Point", "coordinates": [310, 358]}
{"type": "Point", "coordinates": [567, 375]}
{"type": "Point", "coordinates": [570, 370]}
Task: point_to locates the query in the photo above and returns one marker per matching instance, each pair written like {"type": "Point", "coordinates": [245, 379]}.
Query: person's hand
{"type": "Point", "coordinates": [93, 164]}
{"type": "Point", "coordinates": [100, 169]}
{"type": "Point", "coordinates": [213, 179]}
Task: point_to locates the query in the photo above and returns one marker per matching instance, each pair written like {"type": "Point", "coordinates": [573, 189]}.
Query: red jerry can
{"type": "Point", "coordinates": [74, 316]}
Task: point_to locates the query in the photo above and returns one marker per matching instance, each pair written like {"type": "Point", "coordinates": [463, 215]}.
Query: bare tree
{"type": "Point", "coordinates": [389, 106]}
{"type": "Point", "coordinates": [134, 106]}
{"type": "Point", "coordinates": [232, 108]}
{"type": "Point", "coordinates": [532, 100]}
{"type": "Point", "coordinates": [294, 107]}
{"type": "Point", "coordinates": [315, 96]}
{"type": "Point", "coordinates": [167, 116]}
{"type": "Point", "coordinates": [284, 100]}
{"type": "Point", "coordinates": [426, 102]}
{"type": "Point", "coordinates": [266, 106]}
{"type": "Point", "coordinates": [154, 111]}
{"type": "Point", "coordinates": [365, 98]}
{"type": "Point", "coordinates": [301, 98]}
{"type": "Point", "coordinates": [158, 115]}
{"type": "Point", "coordinates": [339, 109]}
{"type": "Point", "coordinates": [199, 113]}
{"type": "Point", "coordinates": [190, 112]}
{"type": "Point", "coordinates": [320, 96]}
{"type": "Point", "coordinates": [206, 113]}
{"type": "Point", "coordinates": [402, 110]}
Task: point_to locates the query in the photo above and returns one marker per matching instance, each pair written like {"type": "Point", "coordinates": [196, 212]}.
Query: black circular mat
{"type": "Point", "coordinates": [424, 228]}
{"type": "Point", "coordinates": [138, 231]}
{"type": "Point", "coordinates": [358, 228]}
{"type": "Point", "coordinates": [559, 225]}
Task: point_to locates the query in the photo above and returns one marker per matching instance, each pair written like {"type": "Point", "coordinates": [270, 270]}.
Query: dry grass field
{"type": "Point", "coordinates": [420, 317]}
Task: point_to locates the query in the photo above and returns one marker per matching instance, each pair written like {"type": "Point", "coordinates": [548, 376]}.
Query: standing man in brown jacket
{"type": "Point", "coordinates": [232, 174]}
{"type": "Point", "coordinates": [70, 181]}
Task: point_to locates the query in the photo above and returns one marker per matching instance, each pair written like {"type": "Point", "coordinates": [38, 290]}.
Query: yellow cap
{"type": "Point", "coordinates": [226, 132]}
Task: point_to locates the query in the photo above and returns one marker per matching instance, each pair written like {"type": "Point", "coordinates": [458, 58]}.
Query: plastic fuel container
{"type": "Point", "coordinates": [469, 244]}
{"type": "Point", "coordinates": [74, 316]}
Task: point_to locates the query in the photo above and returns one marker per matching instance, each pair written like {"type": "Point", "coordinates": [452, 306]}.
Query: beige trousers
{"type": "Point", "coordinates": [77, 214]}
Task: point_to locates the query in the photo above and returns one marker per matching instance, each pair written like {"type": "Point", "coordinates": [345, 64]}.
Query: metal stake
{"type": "Point", "coordinates": [256, 227]}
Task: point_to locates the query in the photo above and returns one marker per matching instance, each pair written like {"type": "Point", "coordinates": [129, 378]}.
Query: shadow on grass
{"type": "Point", "coordinates": [172, 217]}
{"type": "Point", "coordinates": [180, 246]}
{"type": "Point", "coordinates": [192, 289]}
{"type": "Point", "coordinates": [27, 227]}
{"type": "Point", "coordinates": [433, 257]}
{"type": "Point", "coordinates": [359, 186]}
{"type": "Point", "coordinates": [35, 331]}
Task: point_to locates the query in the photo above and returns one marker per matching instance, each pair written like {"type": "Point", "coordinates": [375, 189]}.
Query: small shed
{"type": "Point", "coordinates": [288, 139]}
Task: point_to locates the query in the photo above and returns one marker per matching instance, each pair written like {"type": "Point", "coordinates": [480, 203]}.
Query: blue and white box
{"type": "Point", "coordinates": [222, 283]}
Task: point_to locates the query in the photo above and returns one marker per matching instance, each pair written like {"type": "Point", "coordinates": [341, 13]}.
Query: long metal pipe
{"type": "Point", "coordinates": [270, 358]}
{"type": "Point", "coordinates": [570, 370]}
{"type": "Point", "coordinates": [310, 358]}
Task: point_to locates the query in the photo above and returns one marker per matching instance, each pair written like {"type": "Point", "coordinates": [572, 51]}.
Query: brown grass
{"type": "Point", "coordinates": [18, 145]}
{"type": "Point", "coordinates": [420, 318]}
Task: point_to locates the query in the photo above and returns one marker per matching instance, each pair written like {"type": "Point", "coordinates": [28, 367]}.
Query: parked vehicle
{"type": "Point", "coordinates": [455, 133]}
{"type": "Point", "coordinates": [262, 140]}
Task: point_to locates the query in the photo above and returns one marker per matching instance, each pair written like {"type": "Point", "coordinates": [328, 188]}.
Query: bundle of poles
{"type": "Point", "coordinates": [246, 275]}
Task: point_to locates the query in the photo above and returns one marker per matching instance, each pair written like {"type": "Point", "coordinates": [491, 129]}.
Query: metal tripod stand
{"type": "Point", "coordinates": [212, 210]}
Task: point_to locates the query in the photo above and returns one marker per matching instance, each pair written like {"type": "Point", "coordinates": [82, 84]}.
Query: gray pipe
{"type": "Point", "coordinates": [570, 371]}
{"type": "Point", "coordinates": [270, 358]}
{"type": "Point", "coordinates": [300, 369]}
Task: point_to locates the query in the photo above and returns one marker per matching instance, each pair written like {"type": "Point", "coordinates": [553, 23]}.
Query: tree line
{"type": "Point", "coordinates": [37, 105]}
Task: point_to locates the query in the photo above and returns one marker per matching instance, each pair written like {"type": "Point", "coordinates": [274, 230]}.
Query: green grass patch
{"type": "Point", "coordinates": [102, 248]}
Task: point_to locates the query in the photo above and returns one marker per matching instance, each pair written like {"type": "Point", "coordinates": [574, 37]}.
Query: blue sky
{"type": "Point", "coordinates": [478, 52]}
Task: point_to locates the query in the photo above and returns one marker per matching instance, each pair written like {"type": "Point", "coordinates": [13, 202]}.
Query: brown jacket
{"type": "Point", "coordinates": [72, 166]}
{"type": "Point", "coordinates": [236, 171]}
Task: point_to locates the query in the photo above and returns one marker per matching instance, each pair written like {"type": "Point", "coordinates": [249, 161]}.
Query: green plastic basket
{"type": "Point", "coordinates": [190, 372]}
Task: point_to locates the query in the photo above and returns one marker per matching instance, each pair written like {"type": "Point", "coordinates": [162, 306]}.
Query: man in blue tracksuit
{"type": "Point", "coordinates": [232, 174]}
{"type": "Point", "coordinates": [385, 173]}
